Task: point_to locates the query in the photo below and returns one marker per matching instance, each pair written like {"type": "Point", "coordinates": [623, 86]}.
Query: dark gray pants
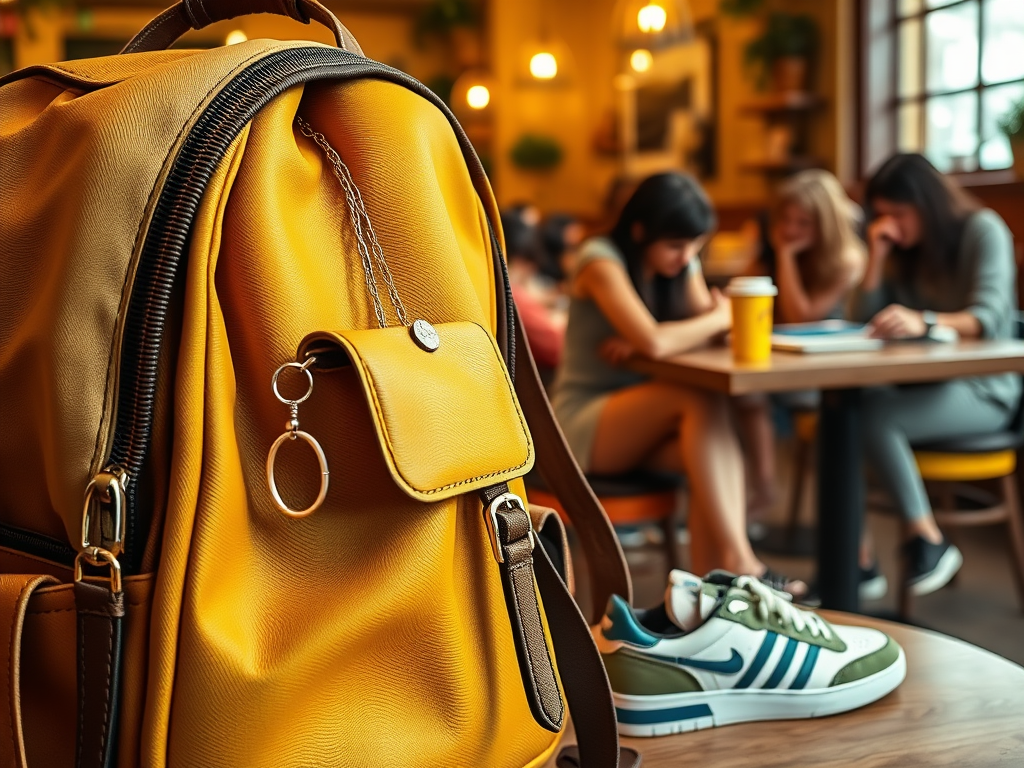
{"type": "Point", "coordinates": [895, 417]}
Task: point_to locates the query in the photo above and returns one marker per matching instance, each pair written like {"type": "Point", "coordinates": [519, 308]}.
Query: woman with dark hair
{"type": "Point", "coordinates": [936, 260]}
{"type": "Point", "coordinates": [641, 290]}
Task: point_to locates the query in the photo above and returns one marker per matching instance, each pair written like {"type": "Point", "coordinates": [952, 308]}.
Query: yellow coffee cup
{"type": "Point", "coordinates": [753, 299]}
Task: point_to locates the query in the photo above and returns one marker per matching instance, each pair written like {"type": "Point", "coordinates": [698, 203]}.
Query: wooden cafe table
{"type": "Point", "coordinates": [960, 707]}
{"type": "Point", "coordinates": [841, 376]}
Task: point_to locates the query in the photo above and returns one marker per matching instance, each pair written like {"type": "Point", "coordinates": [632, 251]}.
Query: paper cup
{"type": "Point", "coordinates": [753, 299]}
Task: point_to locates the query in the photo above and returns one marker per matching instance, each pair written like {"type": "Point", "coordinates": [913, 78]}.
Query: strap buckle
{"type": "Point", "coordinates": [98, 557]}
{"type": "Point", "coordinates": [508, 501]}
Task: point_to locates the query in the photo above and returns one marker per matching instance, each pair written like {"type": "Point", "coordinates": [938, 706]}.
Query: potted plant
{"type": "Point", "coordinates": [781, 54]}
{"type": "Point", "coordinates": [1012, 124]}
{"type": "Point", "coordinates": [456, 23]}
{"type": "Point", "coordinates": [533, 152]}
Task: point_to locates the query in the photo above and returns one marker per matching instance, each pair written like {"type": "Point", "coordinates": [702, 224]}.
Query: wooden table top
{"type": "Point", "coordinates": [897, 363]}
{"type": "Point", "coordinates": [960, 706]}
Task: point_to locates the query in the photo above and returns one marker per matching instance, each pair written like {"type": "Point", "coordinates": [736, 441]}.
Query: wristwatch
{"type": "Point", "coordinates": [930, 321]}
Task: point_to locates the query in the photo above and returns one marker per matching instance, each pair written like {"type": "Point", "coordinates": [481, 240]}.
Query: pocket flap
{"type": "Point", "coordinates": [448, 420]}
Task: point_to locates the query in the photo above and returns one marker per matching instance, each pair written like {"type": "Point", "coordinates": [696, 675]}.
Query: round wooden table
{"type": "Point", "coordinates": [960, 706]}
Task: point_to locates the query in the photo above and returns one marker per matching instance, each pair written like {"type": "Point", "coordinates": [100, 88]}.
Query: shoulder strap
{"type": "Point", "coordinates": [605, 562]}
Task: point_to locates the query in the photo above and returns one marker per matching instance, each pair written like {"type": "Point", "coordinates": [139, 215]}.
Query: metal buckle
{"type": "Point", "coordinates": [491, 520]}
{"type": "Point", "coordinates": [98, 557]}
{"type": "Point", "coordinates": [106, 490]}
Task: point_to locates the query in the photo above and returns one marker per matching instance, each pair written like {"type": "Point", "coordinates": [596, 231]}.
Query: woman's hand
{"type": "Point", "coordinates": [897, 322]}
{"type": "Point", "coordinates": [616, 351]}
{"type": "Point", "coordinates": [882, 233]}
{"type": "Point", "coordinates": [721, 310]}
{"type": "Point", "coordinates": [788, 249]}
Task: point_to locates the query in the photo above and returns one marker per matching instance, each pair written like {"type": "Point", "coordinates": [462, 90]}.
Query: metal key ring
{"type": "Point", "coordinates": [304, 367]}
{"type": "Point", "coordinates": [324, 473]}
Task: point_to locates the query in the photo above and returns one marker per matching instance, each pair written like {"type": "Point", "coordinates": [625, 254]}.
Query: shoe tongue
{"type": "Point", "coordinates": [688, 600]}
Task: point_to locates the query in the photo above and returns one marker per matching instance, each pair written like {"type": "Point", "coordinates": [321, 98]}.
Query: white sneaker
{"type": "Point", "coordinates": [729, 649]}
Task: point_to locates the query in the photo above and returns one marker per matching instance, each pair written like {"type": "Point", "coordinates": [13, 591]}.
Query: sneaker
{"type": "Point", "coordinates": [930, 566]}
{"type": "Point", "coordinates": [873, 586]}
{"type": "Point", "coordinates": [722, 651]}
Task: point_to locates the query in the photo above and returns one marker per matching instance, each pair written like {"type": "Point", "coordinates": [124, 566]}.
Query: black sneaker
{"type": "Point", "coordinates": [930, 566]}
{"type": "Point", "coordinates": [873, 586]}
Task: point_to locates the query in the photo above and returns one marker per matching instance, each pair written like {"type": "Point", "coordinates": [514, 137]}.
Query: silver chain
{"type": "Point", "coordinates": [368, 252]}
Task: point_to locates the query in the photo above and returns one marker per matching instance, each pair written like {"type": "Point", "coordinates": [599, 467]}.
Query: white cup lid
{"type": "Point", "coordinates": [751, 286]}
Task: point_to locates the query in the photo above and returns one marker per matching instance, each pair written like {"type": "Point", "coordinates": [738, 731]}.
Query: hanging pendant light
{"type": "Point", "coordinates": [651, 25]}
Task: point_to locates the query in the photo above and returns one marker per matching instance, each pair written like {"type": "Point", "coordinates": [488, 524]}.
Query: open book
{"type": "Point", "coordinates": [824, 336]}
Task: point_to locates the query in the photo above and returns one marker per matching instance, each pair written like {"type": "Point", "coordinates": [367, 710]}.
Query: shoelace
{"type": "Point", "coordinates": [770, 603]}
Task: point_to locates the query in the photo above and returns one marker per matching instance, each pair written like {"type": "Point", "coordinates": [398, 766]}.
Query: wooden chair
{"type": "Point", "coordinates": [993, 457]}
{"type": "Point", "coordinates": [636, 498]}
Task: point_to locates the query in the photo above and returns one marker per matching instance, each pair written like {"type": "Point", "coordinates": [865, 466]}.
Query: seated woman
{"type": "Point", "coordinates": [641, 290]}
{"type": "Point", "coordinates": [935, 259]}
{"type": "Point", "coordinates": [815, 257]}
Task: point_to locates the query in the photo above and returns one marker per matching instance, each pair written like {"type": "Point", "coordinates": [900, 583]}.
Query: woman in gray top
{"type": "Point", "coordinates": [935, 260]}
{"type": "Point", "coordinates": [641, 291]}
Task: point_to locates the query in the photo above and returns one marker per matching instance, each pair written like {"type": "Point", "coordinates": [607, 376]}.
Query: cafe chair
{"type": "Point", "coordinates": [990, 457]}
{"type": "Point", "coordinates": [633, 499]}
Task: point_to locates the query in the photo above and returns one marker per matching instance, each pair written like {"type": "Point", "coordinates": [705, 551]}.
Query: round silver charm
{"type": "Point", "coordinates": [425, 336]}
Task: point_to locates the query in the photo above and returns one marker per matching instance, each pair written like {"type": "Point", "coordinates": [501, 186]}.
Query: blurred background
{"type": "Point", "coordinates": [567, 100]}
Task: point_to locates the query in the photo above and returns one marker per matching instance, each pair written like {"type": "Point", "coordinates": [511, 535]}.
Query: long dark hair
{"type": "Point", "coordinates": [943, 207]}
{"type": "Point", "coordinates": [667, 206]}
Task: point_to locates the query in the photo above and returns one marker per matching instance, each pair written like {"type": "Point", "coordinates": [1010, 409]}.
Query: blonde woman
{"type": "Point", "coordinates": [815, 256]}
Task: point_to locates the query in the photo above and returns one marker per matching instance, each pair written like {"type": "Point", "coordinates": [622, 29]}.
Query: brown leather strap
{"type": "Point", "coordinates": [100, 616]}
{"type": "Point", "coordinates": [551, 535]}
{"type": "Point", "coordinates": [162, 31]}
{"type": "Point", "coordinates": [586, 685]}
{"type": "Point", "coordinates": [15, 592]}
{"type": "Point", "coordinates": [605, 562]}
{"type": "Point", "coordinates": [514, 541]}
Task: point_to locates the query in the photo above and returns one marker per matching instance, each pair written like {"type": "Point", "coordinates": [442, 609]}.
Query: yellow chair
{"type": "Point", "coordinates": [635, 498]}
{"type": "Point", "coordinates": [970, 459]}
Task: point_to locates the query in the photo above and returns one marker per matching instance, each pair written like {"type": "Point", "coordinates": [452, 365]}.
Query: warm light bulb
{"type": "Point", "coordinates": [641, 60]}
{"type": "Point", "coordinates": [543, 66]}
{"type": "Point", "coordinates": [235, 36]}
{"type": "Point", "coordinates": [651, 18]}
{"type": "Point", "coordinates": [478, 96]}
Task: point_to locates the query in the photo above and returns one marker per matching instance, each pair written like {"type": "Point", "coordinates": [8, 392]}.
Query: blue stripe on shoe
{"type": "Point", "coordinates": [808, 667]}
{"type": "Point", "coordinates": [759, 660]}
{"type": "Point", "coordinates": [783, 666]}
{"type": "Point", "coordinates": [651, 716]}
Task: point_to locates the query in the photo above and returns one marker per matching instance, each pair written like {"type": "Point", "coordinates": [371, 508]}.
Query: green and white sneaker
{"type": "Point", "coordinates": [728, 649]}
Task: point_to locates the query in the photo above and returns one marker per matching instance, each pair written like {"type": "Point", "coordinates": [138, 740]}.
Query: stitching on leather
{"type": "Point", "coordinates": [526, 642]}
{"type": "Point", "coordinates": [387, 436]}
{"type": "Point", "coordinates": [528, 563]}
{"type": "Point", "coordinates": [138, 232]}
{"type": "Point", "coordinates": [69, 610]}
{"type": "Point", "coordinates": [105, 730]}
{"type": "Point", "coordinates": [148, 32]}
{"type": "Point", "coordinates": [10, 663]}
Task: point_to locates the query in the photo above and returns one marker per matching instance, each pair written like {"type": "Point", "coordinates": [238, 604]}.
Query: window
{"type": "Point", "coordinates": [960, 67]}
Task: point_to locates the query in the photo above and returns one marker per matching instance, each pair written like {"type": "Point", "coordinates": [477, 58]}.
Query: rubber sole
{"type": "Point", "coordinates": [940, 576]}
{"type": "Point", "coordinates": [682, 712]}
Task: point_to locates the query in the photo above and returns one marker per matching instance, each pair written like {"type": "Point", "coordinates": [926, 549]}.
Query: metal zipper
{"type": "Point", "coordinates": [37, 545]}
{"type": "Point", "coordinates": [168, 235]}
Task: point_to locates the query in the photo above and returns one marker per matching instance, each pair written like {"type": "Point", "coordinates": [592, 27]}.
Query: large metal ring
{"type": "Point", "coordinates": [324, 473]}
{"type": "Point", "coordinates": [304, 367]}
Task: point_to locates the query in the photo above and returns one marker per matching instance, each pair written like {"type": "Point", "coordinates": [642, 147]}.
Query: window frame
{"type": "Point", "coordinates": [879, 99]}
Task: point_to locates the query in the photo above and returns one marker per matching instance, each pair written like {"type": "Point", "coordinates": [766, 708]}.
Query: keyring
{"type": "Point", "coordinates": [293, 433]}
{"type": "Point", "coordinates": [324, 473]}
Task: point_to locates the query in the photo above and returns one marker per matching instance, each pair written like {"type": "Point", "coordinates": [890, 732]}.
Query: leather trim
{"type": "Point", "coordinates": [15, 593]}
{"type": "Point", "coordinates": [100, 628]}
{"type": "Point", "coordinates": [540, 683]}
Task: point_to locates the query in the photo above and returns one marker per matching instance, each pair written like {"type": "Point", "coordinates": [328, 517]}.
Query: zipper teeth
{"type": "Point", "coordinates": [168, 236]}
{"type": "Point", "coordinates": [36, 544]}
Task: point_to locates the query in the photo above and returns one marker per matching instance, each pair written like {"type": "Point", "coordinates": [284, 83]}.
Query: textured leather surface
{"type": "Point", "coordinates": [447, 421]}
{"type": "Point", "coordinates": [100, 636]}
{"type": "Point", "coordinates": [15, 592]}
{"type": "Point", "coordinates": [162, 31]}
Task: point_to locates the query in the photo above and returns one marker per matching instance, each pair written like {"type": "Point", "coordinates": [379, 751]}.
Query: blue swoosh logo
{"type": "Point", "coordinates": [729, 667]}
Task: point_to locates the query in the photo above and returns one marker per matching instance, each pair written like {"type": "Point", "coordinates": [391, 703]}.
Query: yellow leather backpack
{"type": "Point", "coordinates": [196, 247]}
